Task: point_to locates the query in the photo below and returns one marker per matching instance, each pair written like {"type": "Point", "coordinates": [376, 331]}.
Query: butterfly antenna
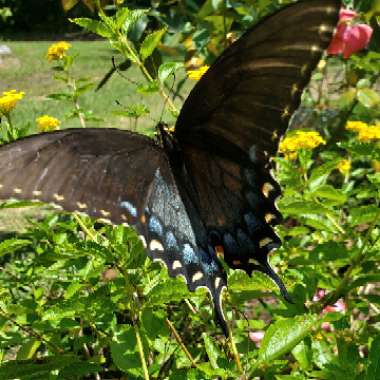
{"type": "Point", "coordinates": [117, 69]}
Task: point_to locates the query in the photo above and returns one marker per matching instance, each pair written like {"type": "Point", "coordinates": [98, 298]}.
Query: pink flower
{"type": "Point", "coordinates": [338, 307]}
{"type": "Point", "coordinates": [256, 336]}
{"type": "Point", "coordinates": [349, 38]}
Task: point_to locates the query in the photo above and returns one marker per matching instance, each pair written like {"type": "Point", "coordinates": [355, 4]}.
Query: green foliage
{"type": "Point", "coordinates": [79, 299]}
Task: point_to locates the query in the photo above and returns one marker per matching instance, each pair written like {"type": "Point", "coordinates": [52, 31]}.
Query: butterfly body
{"type": "Point", "coordinates": [206, 185]}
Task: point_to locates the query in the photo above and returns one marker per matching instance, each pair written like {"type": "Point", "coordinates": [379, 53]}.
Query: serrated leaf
{"type": "Point", "coordinates": [239, 281]}
{"type": "Point", "coordinates": [167, 69]}
{"type": "Point", "coordinates": [94, 26]}
{"type": "Point", "coordinates": [150, 43]}
{"type": "Point", "coordinates": [131, 17]}
{"type": "Point", "coordinates": [171, 290]}
{"type": "Point", "coordinates": [283, 335]}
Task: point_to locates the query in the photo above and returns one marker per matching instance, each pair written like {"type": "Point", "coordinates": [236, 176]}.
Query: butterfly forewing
{"type": "Point", "coordinates": [233, 119]}
{"type": "Point", "coordinates": [119, 176]}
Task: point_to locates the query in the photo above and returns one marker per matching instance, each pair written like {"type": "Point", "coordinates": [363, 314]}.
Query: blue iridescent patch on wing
{"type": "Point", "coordinates": [170, 241]}
{"type": "Point", "coordinates": [155, 226]}
{"type": "Point", "coordinates": [189, 255]}
{"type": "Point", "coordinates": [129, 207]}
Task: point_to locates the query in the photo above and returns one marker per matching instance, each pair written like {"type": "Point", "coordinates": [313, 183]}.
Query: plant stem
{"type": "Point", "coordinates": [141, 351]}
{"type": "Point", "coordinates": [83, 227]}
{"type": "Point", "coordinates": [180, 342]}
{"type": "Point", "coordinates": [235, 352]}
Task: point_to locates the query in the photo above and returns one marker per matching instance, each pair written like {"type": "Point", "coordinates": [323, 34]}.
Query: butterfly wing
{"type": "Point", "coordinates": [233, 119]}
{"type": "Point", "coordinates": [120, 176]}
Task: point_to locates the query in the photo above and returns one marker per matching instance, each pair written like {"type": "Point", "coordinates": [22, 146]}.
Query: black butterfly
{"type": "Point", "coordinates": [206, 185]}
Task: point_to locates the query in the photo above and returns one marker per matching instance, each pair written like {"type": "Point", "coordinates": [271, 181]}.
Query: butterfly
{"type": "Point", "coordinates": [206, 185]}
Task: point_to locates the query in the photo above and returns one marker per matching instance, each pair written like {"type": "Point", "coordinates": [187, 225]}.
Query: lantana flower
{"type": "Point", "coordinates": [349, 38]}
{"type": "Point", "coordinates": [344, 166]}
{"type": "Point", "coordinates": [198, 73]}
{"type": "Point", "coordinates": [9, 100]}
{"type": "Point", "coordinates": [46, 123]}
{"type": "Point", "coordinates": [300, 140]}
{"type": "Point", "coordinates": [57, 51]}
{"type": "Point", "coordinates": [365, 132]}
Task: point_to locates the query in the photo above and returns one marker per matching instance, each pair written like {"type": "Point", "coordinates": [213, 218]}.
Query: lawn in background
{"type": "Point", "coordinates": [28, 70]}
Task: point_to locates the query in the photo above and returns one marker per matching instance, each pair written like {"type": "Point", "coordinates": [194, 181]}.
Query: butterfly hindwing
{"type": "Point", "coordinates": [231, 123]}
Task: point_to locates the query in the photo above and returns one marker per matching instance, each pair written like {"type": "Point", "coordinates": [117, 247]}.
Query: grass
{"type": "Point", "coordinates": [28, 70]}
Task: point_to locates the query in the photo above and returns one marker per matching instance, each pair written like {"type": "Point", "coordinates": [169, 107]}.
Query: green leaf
{"type": "Point", "coordinates": [124, 351]}
{"type": "Point", "coordinates": [239, 281]}
{"type": "Point", "coordinates": [283, 335]}
{"type": "Point", "coordinates": [97, 27]}
{"type": "Point", "coordinates": [134, 111]}
{"type": "Point", "coordinates": [363, 214]}
{"type": "Point", "coordinates": [28, 349]}
{"type": "Point", "coordinates": [26, 369]}
{"type": "Point", "coordinates": [167, 69]}
{"type": "Point", "coordinates": [368, 98]}
{"type": "Point", "coordinates": [211, 349]}
{"type": "Point", "coordinates": [331, 193]}
{"type": "Point", "coordinates": [129, 18]}
{"type": "Point", "coordinates": [72, 289]}
{"type": "Point", "coordinates": [301, 208]}
{"type": "Point", "coordinates": [373, 370]}
{"type": "Point", "coordinates": [169, 291]}
{"type": "Point", "coordinates": [320, 174]}
{"type": "Point", "coordinates": [150, 43]}
{"type": "Point", "coordinates": [12, 245]}
{"type": "Point", "coordinates": [148, 88]}
{"type": "Point", "coordinates": [302, 353]}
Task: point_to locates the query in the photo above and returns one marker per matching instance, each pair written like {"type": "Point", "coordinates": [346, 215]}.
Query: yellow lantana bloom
{"type": "Point", "coordinates": [46, 123]}
{"type": "Point", "coordinates": [300, 140]}
{"type": "Point", "coordinates": [9, 100]}
{"type": "Point", "coordinates": [197, 74]}
{"type": "Point", "coordinates": [344, 166]}
{"type": "Point", "coordinates": [57, 51]}
{"type": "Point", "coordinates": [365, 131]}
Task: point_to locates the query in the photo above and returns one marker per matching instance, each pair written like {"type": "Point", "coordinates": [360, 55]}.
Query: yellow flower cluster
{"type": "Point", "coordinates": [365, 131]}
{"type": "Point", "coordinates": [9, 100]}
{"type": "Point", "coordinates": [197, 74]}
{"type": "Point", "coordinates": [46, 123]}
{"type": "Point", "coordinates": [344, 166]}
{"type": "Point", "coordinates": [57, 51]}
{"type": "Point", "coordinates": [300, 140]}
